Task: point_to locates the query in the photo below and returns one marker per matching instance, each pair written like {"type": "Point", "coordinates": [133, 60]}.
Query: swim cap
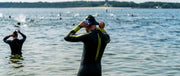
{"type": "Point", "coordinates": [15, 34]}
{"type": "Point", "coordinates": [18, 23]}
{"type": "Point", "coordinates": [91, 20]}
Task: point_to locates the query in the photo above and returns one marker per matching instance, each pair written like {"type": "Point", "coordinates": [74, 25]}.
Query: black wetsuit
{"type": "Point", "coordinates": [15, 44]}
{"type": "Point", "coordinates": [94, 44]}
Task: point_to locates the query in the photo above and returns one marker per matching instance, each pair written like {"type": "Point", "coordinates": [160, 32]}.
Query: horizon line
{"type": "Point", "coordinates": [81, 1]}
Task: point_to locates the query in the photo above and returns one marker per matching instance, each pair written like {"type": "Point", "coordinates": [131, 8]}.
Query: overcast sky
{"type": "Point", "coordinates": [137, 1]}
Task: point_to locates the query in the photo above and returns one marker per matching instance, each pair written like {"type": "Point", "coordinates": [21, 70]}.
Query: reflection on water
{"type": "Point", "coordinates": [15, 66]}
{"type": "Point", "coordinates": [16, 61]}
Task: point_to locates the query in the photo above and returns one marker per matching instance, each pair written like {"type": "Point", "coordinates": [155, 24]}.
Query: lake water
{"type": "Point", "coordinates": [144, 42]}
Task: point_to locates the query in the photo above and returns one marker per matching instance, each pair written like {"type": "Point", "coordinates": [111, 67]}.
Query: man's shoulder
{"type": "Point", "coordinates": [16, 40]}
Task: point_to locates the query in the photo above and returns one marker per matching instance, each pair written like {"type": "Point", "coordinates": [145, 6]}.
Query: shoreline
{"type": "Point", "coordinates": [100, 7]}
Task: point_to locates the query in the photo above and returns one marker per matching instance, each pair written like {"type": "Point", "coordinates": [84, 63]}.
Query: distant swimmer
{"type": "Point", "coordinates": [106, 10]}
{"type": "Point", "coordinates": [15, 44]}
{"type": "Point", "coordinates": [9, 17]}
{"type": "Point", "coordinates": [31, 20]}
{"type": "Point", "coordinates": [132, 15]}
{"type": "Point", "coordinates": [117, 18]}
{"type": "Point", "coordinates": [18, 24]}
{"type": "Point", "coordinates": [95, 41]}
{"type": "Point", "coordinates": [60, 18]}
{"type": "Point", "coordinates": [59, 14]}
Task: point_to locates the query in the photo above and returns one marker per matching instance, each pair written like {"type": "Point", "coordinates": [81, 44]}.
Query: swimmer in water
{"type": "Point", "coordinates": [9, 17]}
{"type": "Point", "coordinates": [31, 20]}
{"type": "Point", "coordinates": [95, 41]}
{"type": "Point", "coordinates": [15, 44]}
{"type": "Point", "coordinates": [18, 24]}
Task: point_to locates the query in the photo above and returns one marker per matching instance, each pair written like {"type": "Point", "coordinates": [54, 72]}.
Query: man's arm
{"type": "Point", "coordinates": [101, 28]}
{"type": "Point", "coordinates": [108, 38]}
{"type": "Point", "coordinates": [5, 39]}
{"type": "Point", "coordinates": [106, 34]}
{"type": "Point", "coordinates": [75, 38]}
{"type": "Point", "coordinates": [24, 36]}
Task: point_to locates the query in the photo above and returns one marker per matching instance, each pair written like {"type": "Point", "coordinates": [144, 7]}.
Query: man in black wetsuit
{"type": "Point", "coordinates": [15, 44]}
{"type": "Point", "coordinates": [95, 41]}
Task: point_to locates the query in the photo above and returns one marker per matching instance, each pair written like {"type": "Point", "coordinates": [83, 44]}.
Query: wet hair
{"type": "Point", "coordinates": [15, 34]}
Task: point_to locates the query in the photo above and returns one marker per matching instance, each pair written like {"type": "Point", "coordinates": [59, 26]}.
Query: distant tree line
{"type": "Point", "coordinates": [86, 4]}
{"type": "Point", "coordinates": [145, 5]}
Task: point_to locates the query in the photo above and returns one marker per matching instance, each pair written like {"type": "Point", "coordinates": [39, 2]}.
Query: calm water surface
{"type": "Point", "coordinates": [145, 44]}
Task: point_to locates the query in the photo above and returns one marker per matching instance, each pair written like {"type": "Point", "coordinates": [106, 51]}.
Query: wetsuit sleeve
{"type": "Point", "coordinates": [108, 38]}
{"type": "Point", "coordinates": [75, 38]}
{"type": "Point", "coordinates": [24, 37]}
{"type": "Point", "coordinates": [106, 35]}
{"type": "Point", "coordinates": [102, 30]}
{"type": "Point", "coordinates": [5, 39]}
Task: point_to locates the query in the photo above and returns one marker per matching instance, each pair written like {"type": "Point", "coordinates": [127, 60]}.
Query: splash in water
{"type": "Point", "coordinates": [77, 14]}
{"type": "Point", "coordinates": [1, 15]}
{"type": "Point", "coordinates": [21, 18]}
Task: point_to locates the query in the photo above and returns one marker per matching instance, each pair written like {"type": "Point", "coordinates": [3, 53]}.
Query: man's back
{"type": "Point", "coordinates": [16, 46]}
{"type": "Point", "coordinates": [93, 51]}
{"type": "Point", "coordinates": [94, 46]}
